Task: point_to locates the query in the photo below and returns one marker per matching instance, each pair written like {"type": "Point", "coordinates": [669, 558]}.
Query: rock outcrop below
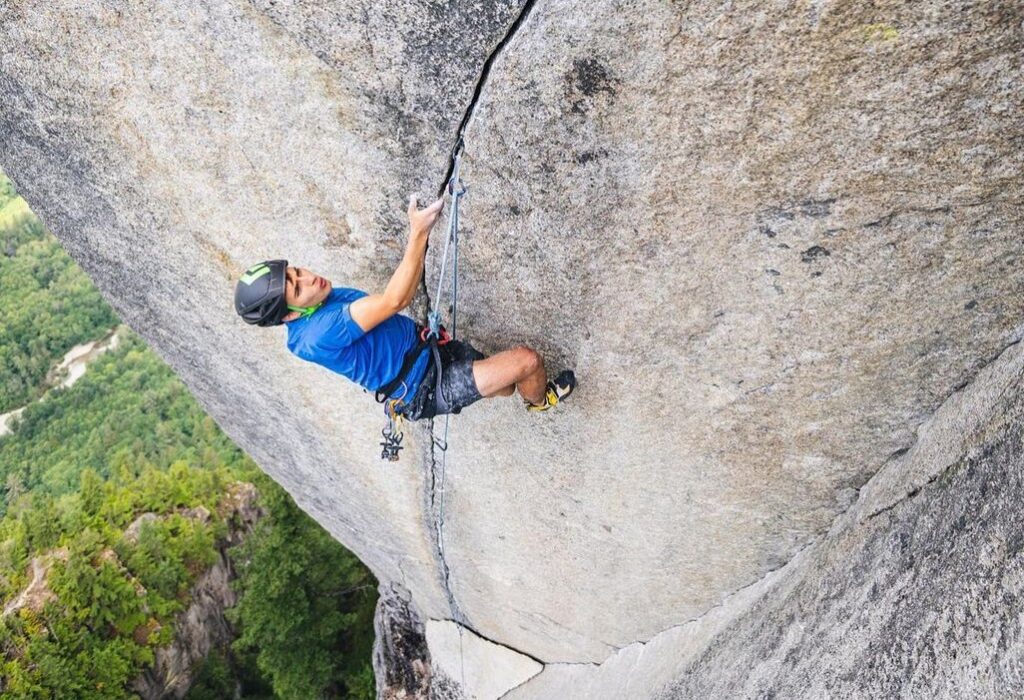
{"type": "Point", "coordinates": [202, 626]}
{"type": "Point", "coordinates": [401, 658]}
{"type": "Point", "coordinates": [37, 593]}
{"type": "Point", "coordinates": [771, 241]}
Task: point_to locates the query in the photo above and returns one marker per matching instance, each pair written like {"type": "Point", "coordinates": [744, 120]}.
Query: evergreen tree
{"type": "Point", "coordinates": [307, 606]}
{"type": "Point", "coordinates": [48, 305]}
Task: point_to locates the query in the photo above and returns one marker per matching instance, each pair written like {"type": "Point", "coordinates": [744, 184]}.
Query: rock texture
{"type": "Point", "coordinates": [475, 667]}
{"type": "Point", "coordinates": [922, 598]}
{"type": "Point", "coordinates": [913, 597]}
{"type": "Point", "coordinates": [401, 657]}
{"type": "Point", "coordinates": [772, 241]}
{"type": "Point", "coordinates": [773, 247]}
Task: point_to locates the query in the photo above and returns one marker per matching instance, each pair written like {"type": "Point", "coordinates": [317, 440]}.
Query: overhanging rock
{"type": "Point", "coordinates": [771, 242]}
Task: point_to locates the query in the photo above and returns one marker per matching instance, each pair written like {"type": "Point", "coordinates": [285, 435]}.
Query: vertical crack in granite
{"type": "Point", "coordinates": [437, 490]}
{"type": "Point", "coordinates": [485, 73]}
{"type": "Point", "coordinates": [437, 516]}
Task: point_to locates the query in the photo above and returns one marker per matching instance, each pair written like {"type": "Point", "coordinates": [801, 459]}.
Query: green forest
{"type": "Point", "coordinates": [47, 304]}
{"type": "Point", "coordinates": [82, 465]}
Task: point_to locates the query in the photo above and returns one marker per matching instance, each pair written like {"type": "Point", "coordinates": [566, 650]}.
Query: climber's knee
{"type": "Point", "coordinates": [530, 360]}
{"type": "Point", "coordinates": [506, 369]}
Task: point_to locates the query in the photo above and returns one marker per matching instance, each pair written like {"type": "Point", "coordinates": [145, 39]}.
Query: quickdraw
{"type": "Point", "coordinates": [443, 338]}
{"type": "Point", "coordinates": [392, 432]}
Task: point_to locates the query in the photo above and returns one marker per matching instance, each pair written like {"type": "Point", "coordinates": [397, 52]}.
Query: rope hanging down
{"type": "Point", "coordinates": [455, 190]}
{"type": "Point", "coordinates": [434, 334]}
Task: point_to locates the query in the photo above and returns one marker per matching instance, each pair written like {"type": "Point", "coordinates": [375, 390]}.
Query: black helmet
{"type": "Point", "coordinates": [259, 294]}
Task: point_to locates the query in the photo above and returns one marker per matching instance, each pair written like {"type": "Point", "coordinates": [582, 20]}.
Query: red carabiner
{"type": "Point", "coordinates": [442, 339]}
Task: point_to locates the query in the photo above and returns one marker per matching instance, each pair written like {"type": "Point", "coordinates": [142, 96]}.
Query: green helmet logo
{"type": "Point", "coordinates": [254, 273]}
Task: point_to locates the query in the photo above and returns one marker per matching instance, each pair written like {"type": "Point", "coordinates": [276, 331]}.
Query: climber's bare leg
{"type": "Point", "coordinates": [519, 368]}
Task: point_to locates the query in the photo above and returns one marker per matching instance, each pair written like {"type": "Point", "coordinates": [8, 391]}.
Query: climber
{"type": "Point", "coordinates": [363, 337]}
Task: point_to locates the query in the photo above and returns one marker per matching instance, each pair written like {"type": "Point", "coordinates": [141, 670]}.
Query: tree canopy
{"type": "Point", "coordinates": [48, 304]}
{"type": "Point", "coordinates": [127, 439]}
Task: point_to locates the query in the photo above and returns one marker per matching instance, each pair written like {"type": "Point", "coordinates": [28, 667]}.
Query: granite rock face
{"type": "Point", "coordinates": [914, 592]}
{"type": "Point", "coordinates": [922, 598]}
{"type": "Point", "coordinates": [474, 667]}
{"type": "Point", "coordinates": [771, 240]}
{"type": "Point", "coordinates": [765, 242]}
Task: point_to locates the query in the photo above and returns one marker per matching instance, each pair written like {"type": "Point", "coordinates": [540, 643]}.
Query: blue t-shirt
{"type": "Point", "coordinates": [330, 337]}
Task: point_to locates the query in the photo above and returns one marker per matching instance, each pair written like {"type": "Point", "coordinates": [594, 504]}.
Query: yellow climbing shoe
{"type": "Point", "coordinates": [557, 390]}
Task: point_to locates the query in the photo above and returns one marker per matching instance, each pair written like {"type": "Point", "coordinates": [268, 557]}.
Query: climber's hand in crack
{"type": "Point", "coordinates": [372, 310]}
{"type": "Point", "coordinates": [422, 220]}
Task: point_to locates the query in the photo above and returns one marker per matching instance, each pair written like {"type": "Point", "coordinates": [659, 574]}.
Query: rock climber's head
{"type": "Point", "coordinates": [272, 292]}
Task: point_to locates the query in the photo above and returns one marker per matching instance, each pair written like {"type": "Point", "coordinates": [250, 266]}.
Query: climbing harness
{"type": "Point", "coordinates": [433, 335]}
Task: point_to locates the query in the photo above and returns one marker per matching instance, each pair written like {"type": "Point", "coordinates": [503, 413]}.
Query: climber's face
{"type": "Point", "coordinates": [304, 288]}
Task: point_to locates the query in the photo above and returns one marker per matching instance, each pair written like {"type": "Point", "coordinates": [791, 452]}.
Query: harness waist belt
{"type": "Point", "coordinates": [409, 360]}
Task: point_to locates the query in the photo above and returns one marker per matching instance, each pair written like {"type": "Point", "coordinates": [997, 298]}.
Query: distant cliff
{"type": "Point", "coordinates": [777, 243]}
{"type": "Point", "coordinates": [93, 597]}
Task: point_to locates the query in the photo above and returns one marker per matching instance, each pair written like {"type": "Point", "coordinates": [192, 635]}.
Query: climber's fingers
{"type": "Point", "coordinates": [430, 214]}
{"type": "Point", "coordinates": [423, 219]}
{"type": "Point", "coordinates": [433, 208]}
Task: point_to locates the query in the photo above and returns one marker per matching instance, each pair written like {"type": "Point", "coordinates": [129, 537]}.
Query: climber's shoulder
{"type": "Point", "coordinates": [330, 328]}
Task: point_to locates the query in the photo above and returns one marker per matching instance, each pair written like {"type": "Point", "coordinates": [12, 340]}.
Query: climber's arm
{"type": "Point", "coordinates": [370, 311]}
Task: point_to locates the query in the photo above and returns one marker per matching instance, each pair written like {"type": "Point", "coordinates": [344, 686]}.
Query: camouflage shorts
{"type": "Point", "coordinates": [457, 387]}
